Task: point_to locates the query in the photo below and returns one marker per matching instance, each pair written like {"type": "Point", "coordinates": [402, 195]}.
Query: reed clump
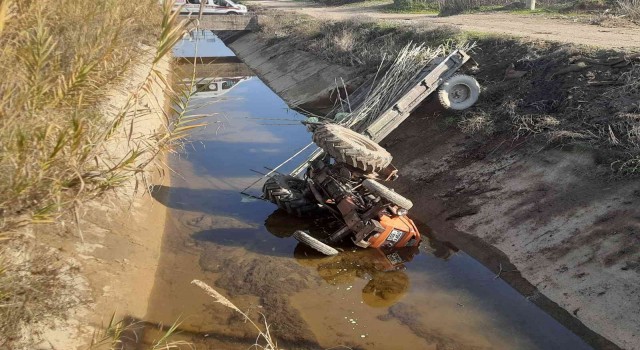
{"type": "Point", "coordinates": [58, 60]}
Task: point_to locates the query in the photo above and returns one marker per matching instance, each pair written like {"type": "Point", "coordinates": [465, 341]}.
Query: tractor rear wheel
{"type": "Point", "coordinates": [350, 147]}
{"type": "Point", "coordinates": [290, 194]}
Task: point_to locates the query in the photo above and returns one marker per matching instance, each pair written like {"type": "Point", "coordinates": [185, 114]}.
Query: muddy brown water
{"type": "Point", "coordinates": [440, 298]}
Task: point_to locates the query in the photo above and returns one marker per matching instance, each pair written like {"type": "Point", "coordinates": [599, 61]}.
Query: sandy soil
{"type": "Point", "coordinates": [108, 264]}
{"type": "Point", "coordinates": [527, 26]}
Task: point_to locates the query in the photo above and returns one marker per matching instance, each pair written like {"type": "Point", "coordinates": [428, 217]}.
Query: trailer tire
{"type": "Point", "coordinates": [388, 194]}
{"type": "Point", "coordinates": [459, 92]}
{"type": "Point", "coordinates": [314, 243]}
{"type": "Point", "coordinates": [350, 147]}
{"type": "Point", "coordinates": [290, 194]}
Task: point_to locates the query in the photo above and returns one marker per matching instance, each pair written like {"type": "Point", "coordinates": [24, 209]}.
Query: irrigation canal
{"type": "Point", "coordinates": [439, 298]}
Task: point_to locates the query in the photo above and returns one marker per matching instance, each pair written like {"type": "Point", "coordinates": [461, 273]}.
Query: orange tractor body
{"type": "Point", "coordinates": [399, 231]}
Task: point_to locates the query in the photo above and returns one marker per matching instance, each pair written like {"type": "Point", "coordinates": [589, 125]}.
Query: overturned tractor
{"type": "Point", "coordinates": [346, 182]}
{"type": "Point", "coordinates": [345, 176]}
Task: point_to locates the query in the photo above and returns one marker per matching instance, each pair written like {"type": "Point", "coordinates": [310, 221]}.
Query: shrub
{"type": "Point", "coordinates": [338, 2]}
{"type": "Point", "coordinates": [630, 8]}
{"type": "Point", "coordinates": [416, 5]}
{"type": "Point", "coordinates": [454, 7]}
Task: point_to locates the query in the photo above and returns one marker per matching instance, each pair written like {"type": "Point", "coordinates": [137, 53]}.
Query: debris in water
{"type": "Point", "coordinates": [247, 199]}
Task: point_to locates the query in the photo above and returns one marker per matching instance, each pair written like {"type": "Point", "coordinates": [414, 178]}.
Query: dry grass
{"type": "Point", "coordinates": [454, 7]}
{"type": "Point", "coordinates": [392, 81]}
{"type": "Point", "coordinates": [264, 339]}
{"type": "Point", "coordinates": [360, 42]}
{"type": "Point", "coordinates": [58, 58]}
{"type": "Point", "coordinates": [119, 336]}
{"type": "Point", "coordinates": [479, 122]}
{"type": "Point", "coordinates": [534, 124]}
{"type": "Point", "coordinates": [629, 8]}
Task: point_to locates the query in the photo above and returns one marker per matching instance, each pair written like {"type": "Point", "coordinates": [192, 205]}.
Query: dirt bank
{"type": "Point", "coordinates": [557, 212]}
{"type": "Point", "coordinates": [570, 233]}
{"type": "Point", "coordinates": [104, 265]}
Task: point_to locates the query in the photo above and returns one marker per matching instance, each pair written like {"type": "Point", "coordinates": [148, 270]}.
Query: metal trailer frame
{"type": "Point", "coordinates": [426, 82]}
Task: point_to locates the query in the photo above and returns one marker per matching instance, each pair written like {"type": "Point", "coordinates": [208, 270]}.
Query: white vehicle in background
{"type": "Point", "coordinates": [213, 87]}
{"type": "Point", "coordinates": [211, 7]}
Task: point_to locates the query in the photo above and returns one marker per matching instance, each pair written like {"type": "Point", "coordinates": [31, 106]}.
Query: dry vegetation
{"type": "Point", "coordinates": [564, 94]}
{"type": "Point", "coordinates": [58, 60]}
{"type": "Point", "coordinates": [602, 9]}
{"type": "Point", "coordinates": [264, 339]}
{"type": "Point", "coordinates": [629, 8]}
{"type": "Point", "coordinates": [360, 42]}
{"type": "Point", "coordinates": [59, 144]}
{"type": "Point", "coordinates": [121, 335]}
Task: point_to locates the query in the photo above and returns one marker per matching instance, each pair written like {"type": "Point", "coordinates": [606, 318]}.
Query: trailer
{"type": "Point", "coordinates": [455, 92]}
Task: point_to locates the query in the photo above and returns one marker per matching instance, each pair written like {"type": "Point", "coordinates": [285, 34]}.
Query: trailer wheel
{"type": "Point", "coordinates": [459, 92]}
{"type": "Point", "coordinates": [290, 194]}
{"type": "Point", "coordinates": [350, 147]}
{"type": "Point", "coordinates": [307, 239]}
{"type": "Point", "coordinates": [385, 192]}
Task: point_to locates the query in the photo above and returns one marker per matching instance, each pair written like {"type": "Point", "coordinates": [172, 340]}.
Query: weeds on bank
{"type": "Point", "coordinates": [264, 339]}
{"type": "Point", "coordinates": [629, 8]}
{"type": "Point", "coordinates": [116, 336]}
{"type": "Point", "coordinates": [58, 59]}
{"type": "Point", "coordinates": [359, 42]}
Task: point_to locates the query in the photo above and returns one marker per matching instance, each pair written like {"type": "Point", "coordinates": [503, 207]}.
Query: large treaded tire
{"type": "Point", "coordinates": [388, 194]}
{"type": "Point", "coordinates": [350, 147]}
{"type": "Point", "coordinates": [307, 239]}
{"type": "Point", "coordinates": [290, 194]}
{"type": "Point", "coordinates": [459, 92]}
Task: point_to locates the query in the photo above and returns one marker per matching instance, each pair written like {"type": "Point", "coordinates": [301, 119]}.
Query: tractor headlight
{"type": "Point", "coordinates": [402, 212]}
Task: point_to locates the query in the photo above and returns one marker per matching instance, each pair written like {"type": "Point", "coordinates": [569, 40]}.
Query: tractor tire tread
{"type": "Point", "coordinates": [352, 148]}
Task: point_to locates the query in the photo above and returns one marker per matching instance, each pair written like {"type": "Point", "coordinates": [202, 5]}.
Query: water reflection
{"type": "Point", "coordinates": [383, 269]}
{"type": "Point", "coordinates": [216, 87]}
